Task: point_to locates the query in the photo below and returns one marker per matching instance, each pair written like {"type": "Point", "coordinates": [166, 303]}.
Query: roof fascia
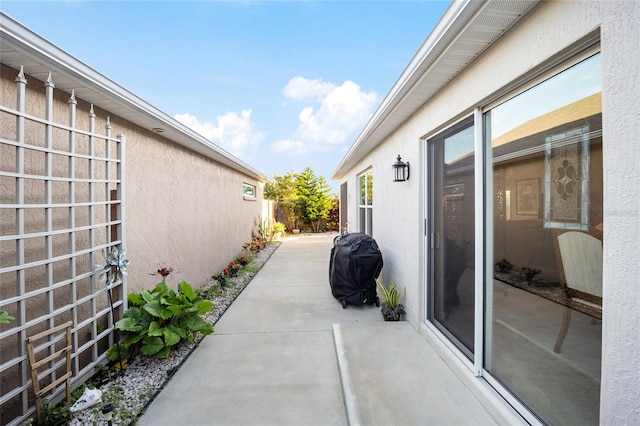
{"type": "Point", "coordinates": [33, 45]}
{"type": "Point", "coordinates": [456, 17]}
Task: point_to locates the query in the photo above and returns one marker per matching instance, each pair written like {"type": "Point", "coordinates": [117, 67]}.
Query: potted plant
{"type": "Point", "coordinates": [392, 309]}
{"type": "Point", "coordinates": [278, 230]}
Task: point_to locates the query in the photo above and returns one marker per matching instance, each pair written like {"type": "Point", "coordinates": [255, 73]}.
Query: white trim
{"type": "Point", "coordinates": [478, 178]}
{"type": "Point", "coordinates": [366, 207]}
{"type": "Point", "coordinates": [497, 406]}
{"type": "Point", "coordinates": [584, 50]}
{"type": "Point", "coordinates": [425, 75]}
{"type": "Point", "coordinates": [249, 197]}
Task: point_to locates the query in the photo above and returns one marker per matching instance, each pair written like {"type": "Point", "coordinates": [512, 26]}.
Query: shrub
{"type": "Point", "coordinates": [159, 319]}
{"type": "Point", "coordinates": [254, 245]}
{"type": "Point", "coordinates": [221, 278]}
{"type": "Point", "coordinates": [242, 260]}
{"type": "Point", "coordinates": [232, 269]}
{"type": "Point", "coordinates": [390, 295]}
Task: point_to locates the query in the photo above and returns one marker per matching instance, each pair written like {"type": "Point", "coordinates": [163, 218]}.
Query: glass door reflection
{"type": "Point", "coordinates": [452, 234]}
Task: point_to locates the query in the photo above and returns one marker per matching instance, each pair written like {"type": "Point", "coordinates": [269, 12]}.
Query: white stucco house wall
{"type": "Point", "coordinates": [86, 166]}
{"type": "Point", "coordinates": [501, 165]}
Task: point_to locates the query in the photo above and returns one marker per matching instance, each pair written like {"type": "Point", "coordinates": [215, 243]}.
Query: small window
{"type": "Point", "coordinates": [365, 206]}
{"type": "Point", "coordinates": [248, 191]}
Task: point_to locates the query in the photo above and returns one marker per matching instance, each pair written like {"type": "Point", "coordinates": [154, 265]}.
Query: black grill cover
{"type": "Point", "coordinates": [355, 263]}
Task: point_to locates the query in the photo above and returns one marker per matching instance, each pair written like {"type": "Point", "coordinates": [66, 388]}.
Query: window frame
{"type": "Point", "coordinates": [248, 196]}
{"type": "Point", "coordinates": [485, 210]}
{"type": "Point", "coordinates": [484, 148]}
{"type": "Point", "coordinates": [365, 227]}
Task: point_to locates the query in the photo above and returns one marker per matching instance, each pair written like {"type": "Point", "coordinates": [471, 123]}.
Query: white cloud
{"type": "Point", "coordinates": [300, 88]}
{"type": "Point", "coordinates": [289, 146]}
{"type": "Point", "coordinates": [234, 132]}
{"type": "Point", "coordinates": [205, 129]}
{"type": "Point", "coordinates": [330, 116]}
{"type": "Point", "coordinates": [340, 111]}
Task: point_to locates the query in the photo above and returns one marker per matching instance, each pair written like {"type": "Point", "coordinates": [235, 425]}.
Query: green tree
{"type": "Point", "coordinates": [283, 191]}
{"type": "Point", "coordinates": [314, 199]}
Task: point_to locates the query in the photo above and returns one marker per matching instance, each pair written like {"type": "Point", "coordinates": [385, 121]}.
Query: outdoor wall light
{"type": "Point", "coordinates": [400, 170]}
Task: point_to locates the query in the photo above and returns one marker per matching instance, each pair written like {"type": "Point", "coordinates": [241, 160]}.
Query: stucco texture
{"type": "Point", "coordinates": [183, 211]}
{"type": "Point", "coordinates": [621, 121]}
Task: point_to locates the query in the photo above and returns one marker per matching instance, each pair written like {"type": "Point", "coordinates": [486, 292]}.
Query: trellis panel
{"type": "Point", "coordinates": [62, 209]}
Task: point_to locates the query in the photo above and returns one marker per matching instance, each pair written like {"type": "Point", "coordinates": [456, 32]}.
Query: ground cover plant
{"type": "Point", "coordinates": [161, 318]}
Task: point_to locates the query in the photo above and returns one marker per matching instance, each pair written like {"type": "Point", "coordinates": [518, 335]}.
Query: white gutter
{"type": "Point", "coordinates": [43, 53]}
{"type": "Point", "coordinates": [440, 37]}
{"type": "Point", "coordinates": [405, 98]}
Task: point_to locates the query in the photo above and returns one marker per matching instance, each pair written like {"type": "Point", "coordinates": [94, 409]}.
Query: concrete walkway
{"type": "Point", "coordinates": [286, 353]}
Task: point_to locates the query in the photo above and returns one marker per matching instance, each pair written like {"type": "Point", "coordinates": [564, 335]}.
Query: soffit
{"type": "Point", "coordinates": [466, 30]}
{"type": "Point", "coordinates": [21, 47]}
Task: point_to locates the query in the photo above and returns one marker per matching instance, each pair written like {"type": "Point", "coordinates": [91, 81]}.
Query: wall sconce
{"type": "Point", "coordinates": [400, 170]}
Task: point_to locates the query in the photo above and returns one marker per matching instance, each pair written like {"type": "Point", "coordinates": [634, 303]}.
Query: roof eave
{"type": "Point", "coordinates": [69, 73]}
{"type": "Point", "coordinates": [408, 95]}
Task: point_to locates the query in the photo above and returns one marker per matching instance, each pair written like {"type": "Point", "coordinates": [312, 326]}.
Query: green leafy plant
{"type": "Point", "coordinates": [5, 318]}
{"type": "Point", "coordinates": [314, 200]}
{"type": "Point", "coordinates": [242, 260]}
{"type": "Point", "coordinates": [56, 415]}
{"type": "Point", "coordinates": [159, 319]}
{"type": "Point", "coordinates": [392, 309]}
{"type": "Point", "coordinates": [221, 278]}
{"type": "Point", "coordinates": [123, 411]}
{"type": "Point", "coordinates": [76, 394]}
{"type": "Point", "coordinates": [282, 190]}
{"type": "Point", "coordinates": [232, 269]}
{"type": "Point", "coordinates": [390, 295]}
{"type": "Point", "coordinates": [210, 291]}
{"type": "Point", "coordinates": [254, 246]}
{"type": "Point", "coordinates": [276, 230]}
{"type": "Point", "coordinates": [278, 227]}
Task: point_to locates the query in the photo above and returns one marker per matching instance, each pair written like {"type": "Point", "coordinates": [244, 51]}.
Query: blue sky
{"type": "Point", "coordinates": [282, 85]}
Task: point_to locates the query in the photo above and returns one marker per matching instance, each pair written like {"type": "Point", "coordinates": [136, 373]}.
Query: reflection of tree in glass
{"type": "Point", "coordinates": [366, 189]}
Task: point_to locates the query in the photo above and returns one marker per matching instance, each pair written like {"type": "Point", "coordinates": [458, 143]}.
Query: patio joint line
{"type": "Point", "coordinates": [345, 378]}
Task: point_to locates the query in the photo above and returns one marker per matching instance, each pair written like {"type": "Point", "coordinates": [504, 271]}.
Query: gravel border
{"type": "Point", "coordinates": [137, 386]}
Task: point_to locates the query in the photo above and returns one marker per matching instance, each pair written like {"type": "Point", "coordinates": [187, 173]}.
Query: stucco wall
{"type": "Point", "coordinates": [547, 33]}
{"type": "Point", "coordinates": [183, 211]}
{"type": "Point", "coordinates": [621, 121]}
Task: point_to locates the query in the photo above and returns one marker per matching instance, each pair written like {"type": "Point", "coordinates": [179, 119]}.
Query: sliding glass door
{"type": "Point", "coordinates": [451, 223]}
{"type": "Point", "coordinates": [544, 278]}
{"type": "Point", "coordinates": [541, 283]}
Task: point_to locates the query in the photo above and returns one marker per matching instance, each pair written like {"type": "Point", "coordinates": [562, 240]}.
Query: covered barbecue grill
{"type": "Point", "coordinates": [355, 263]}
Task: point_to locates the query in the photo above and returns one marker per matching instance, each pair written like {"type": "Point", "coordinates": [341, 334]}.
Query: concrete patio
{"type": "Point", "coordinates": [286, 353]}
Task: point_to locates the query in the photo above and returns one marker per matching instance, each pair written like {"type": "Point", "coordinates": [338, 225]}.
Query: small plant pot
{"type": "Point", "coordinates": [295, 231]}
{"type": "Point", "coordinates": [392, 314]}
